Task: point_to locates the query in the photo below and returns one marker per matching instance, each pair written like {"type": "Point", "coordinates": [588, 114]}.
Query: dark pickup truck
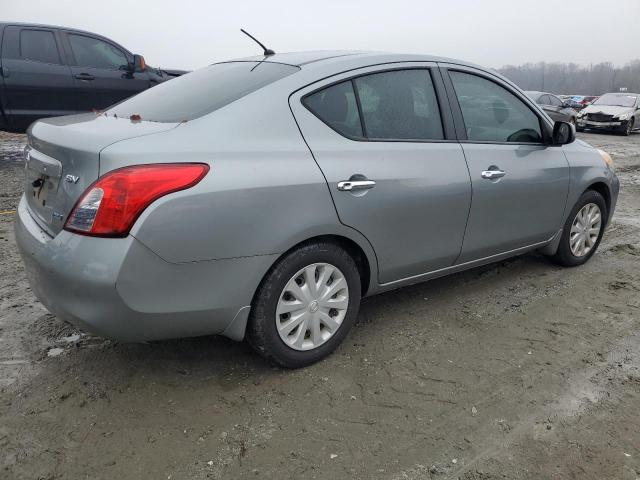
{"type": "Point", "coordinates": [47, 71]}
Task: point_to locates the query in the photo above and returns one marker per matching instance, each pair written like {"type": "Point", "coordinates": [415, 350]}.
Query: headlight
{"type": "Point", "coordinates": [624, 116]}
{"type": "Point", "coordinates": [606, 158]}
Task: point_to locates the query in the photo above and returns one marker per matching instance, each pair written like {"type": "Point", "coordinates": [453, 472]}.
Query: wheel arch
{"type": "Point", "coordinates": [360, 251]}
{"type": "Point", "coordinates": [603, 189]}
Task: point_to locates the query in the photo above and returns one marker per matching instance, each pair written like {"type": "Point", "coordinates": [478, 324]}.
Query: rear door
{"type": "Point", "coordinates": [100, 73]}
{"type": "Point", "coordinates": [520, 184]}
{"type": "Point", "coordinates": [37, 81]}
{"type": "Point", "coordinates": [383, 137]}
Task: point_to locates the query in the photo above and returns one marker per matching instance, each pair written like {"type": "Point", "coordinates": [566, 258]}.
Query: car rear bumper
{"type": "Point", "coordinates": [118, 288]}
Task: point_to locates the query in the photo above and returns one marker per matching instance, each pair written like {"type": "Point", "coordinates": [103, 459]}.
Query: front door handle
{"type": "Point", "coordinates": [493, 173]}
{"type": "Point", "coordinates": [354, 185]}
{"type": "Point", "coordinates": [84, 76]}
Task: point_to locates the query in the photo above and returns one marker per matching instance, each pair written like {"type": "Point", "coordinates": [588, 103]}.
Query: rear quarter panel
{"type": "Point", "coordinates": [263, 194]}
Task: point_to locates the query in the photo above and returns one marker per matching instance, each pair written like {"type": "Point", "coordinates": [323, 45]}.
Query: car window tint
{"type": "Point", "coordinates": [39, 45]}
{"type": "Point", "coordinates": [336, 106]}
{"type": "Point", "coordinates": [201, 92]}
{"type": "Point", "coordinates": [555, 101]}
{"type": "Point", "coordinates": [492, 113]}
{"type": "Point", "coordinates": [399, 104]}
{"type": "Point", "coordinates": [94, 53]}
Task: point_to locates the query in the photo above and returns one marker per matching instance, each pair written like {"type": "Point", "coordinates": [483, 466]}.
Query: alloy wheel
{"type": "Point", "coordinates": [585, 230]}
{"type": "Point", "coordinates": [312, 306]}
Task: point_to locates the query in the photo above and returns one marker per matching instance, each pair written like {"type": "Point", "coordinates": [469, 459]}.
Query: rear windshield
{"type": "Point", "coordinates": [203, 91]}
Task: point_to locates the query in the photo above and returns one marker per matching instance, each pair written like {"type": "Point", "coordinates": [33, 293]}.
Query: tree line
{"type": "Point", "coordinates": [571, 78]}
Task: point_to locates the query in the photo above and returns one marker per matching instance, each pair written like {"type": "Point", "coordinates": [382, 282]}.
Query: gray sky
{"type": "Point", "coordinates": [193, 33]}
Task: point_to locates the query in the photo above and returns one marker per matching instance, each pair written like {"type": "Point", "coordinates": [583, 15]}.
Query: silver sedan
{"type": "Point", "coordinates": [262, 198]}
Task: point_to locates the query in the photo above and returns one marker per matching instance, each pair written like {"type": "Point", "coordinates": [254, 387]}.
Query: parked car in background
{"type": "Point", "coordinates": [48, 71]}
{"type": "Point", "coordinates": [554, 107]}
{"type": "Point", "coordinates": [612, 111]}
{"type": "Point", "coordinates": [263, 198]}
{"type": "Point", "coordinates": [578, 102]}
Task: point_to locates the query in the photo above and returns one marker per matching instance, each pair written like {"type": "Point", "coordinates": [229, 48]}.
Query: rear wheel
{"type": "Point", "coordinates": [582, 231]}
{"type": "Point", "coordinates": [305, 305]}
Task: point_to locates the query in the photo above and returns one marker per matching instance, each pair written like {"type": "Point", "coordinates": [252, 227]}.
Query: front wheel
{"type": "Point", "coordinates": [628, 128]}
{"type": "Point", "coordinates": [583, 230]}
{"type": "Point", "coordinates": [305, 305]}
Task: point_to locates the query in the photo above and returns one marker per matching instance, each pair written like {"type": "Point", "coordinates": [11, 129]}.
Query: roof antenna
{"type": "Point", "coordinates": [267, 51]}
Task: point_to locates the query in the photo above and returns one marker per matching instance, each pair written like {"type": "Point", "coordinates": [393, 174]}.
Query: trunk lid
{"type": "Point", "coordinates": [63, 159]}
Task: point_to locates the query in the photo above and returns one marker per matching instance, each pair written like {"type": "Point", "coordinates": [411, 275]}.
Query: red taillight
{"type": "Point", "coordinates": [110, 206]}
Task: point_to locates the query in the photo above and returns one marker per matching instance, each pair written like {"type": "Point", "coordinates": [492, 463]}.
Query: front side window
{"type": "Point", "coordinates": [94, 53]}
{"type": "Point", "coordinates": [336, 106]}
{"type": "Point", "coordinates": [395, 105]}
{"type": "Point", "coordinates": [493, 114]}
{"type": "Point", "coordinates": [39, 45]}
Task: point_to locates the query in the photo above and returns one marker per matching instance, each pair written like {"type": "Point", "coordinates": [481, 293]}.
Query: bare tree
{"type": "Point", "coordinates": [571, 78]}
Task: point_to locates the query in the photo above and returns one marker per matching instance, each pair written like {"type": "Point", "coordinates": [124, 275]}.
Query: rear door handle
{"type": "Point", "coordinates": [84, 76]}
{"type": "Point", "coordinates": [493, 174]}
{"type": "Point", "coordinates": [353, 185]}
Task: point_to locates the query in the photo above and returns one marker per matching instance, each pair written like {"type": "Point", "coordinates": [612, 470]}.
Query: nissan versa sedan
{"type": "Point", "coordinates": [263, 198]}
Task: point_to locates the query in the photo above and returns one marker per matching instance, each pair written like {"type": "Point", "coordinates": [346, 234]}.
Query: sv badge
{"type": "Point", "coordinates": [71, 178]}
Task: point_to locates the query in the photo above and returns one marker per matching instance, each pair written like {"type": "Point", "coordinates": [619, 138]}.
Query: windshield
{"type": "Point", "coordinates": [201, 92]}
{"type": "Point", "coordinates": [616, 99]}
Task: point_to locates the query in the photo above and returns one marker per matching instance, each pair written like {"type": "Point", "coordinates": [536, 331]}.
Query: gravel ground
{"type": "Point", "coordinates": [518, 370]}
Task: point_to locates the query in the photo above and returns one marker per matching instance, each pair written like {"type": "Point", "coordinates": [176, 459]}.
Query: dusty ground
{"type": "Point", "coordinates": [516, 370]}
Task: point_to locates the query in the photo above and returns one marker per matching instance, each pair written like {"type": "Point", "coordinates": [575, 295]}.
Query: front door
{"type": "Point", "coordinates": [100, 73]}
{"type": "Point", "coordinates": [394, 170]}
{"type": "Point", "coordinates": [520, 185]}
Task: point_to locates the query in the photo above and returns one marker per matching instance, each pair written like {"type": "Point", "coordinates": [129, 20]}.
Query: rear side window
{"type": "Point", "coordinates": [493, 114]}
{"type": "Point", "coordinates": [94, 53]}
{"type": "Point", "coordinates": [399, 105]}
{"type": "Point", "coordinates": [336, 106]}
{"type": "Point", "coordinates": [543, 100]}
{"type": "Point", "coordinates": [39, 45]}
{"type": "Point", "coordinates": [201, 92]}
{"type": "Point", "coordinates": [555, 101]}
{"type": "Point", "coordinates": [395, 105]}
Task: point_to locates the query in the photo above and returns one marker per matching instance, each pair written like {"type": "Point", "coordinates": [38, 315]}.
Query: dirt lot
{"type": "Point", "coordinates": [516, 370]}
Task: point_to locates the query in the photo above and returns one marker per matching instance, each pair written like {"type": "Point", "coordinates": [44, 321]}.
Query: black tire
{"type": "Point", "coordinates": [262, 333]}
{"type": "Point", "coordinates": [628, 128]}
{"type": "Point", "coordinates": [564, 256]}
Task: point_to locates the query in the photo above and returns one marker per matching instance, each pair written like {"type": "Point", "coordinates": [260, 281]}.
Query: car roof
{"type": "Point", "coordinates": [300, 59]}
{"type": "Point", "coordinates": [42, 25]}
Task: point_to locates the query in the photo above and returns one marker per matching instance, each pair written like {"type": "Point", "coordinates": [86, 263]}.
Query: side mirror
{"type": "Point", "coordinates": [563, 133]}
{"type": "Point", "coordinates": [139, 64]}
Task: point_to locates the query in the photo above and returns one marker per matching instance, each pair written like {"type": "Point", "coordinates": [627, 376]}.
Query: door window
{"type": "Point", "coordinates": [493, 114]}
{"type": "Point", "coordinates": [395, 105]}
{"type": "Point", "coordinates": [336, 106]}
{"type": "Point", "coordinates": [399, 105]}
{"type": "Point", "coordinates": [39, 45]}
{"type": "Point", "coordinates": [544, 100]}
{"type": "Point", "coordinates": [94, 53]}
{"type": "Point", "coordinates": [555, 101]}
